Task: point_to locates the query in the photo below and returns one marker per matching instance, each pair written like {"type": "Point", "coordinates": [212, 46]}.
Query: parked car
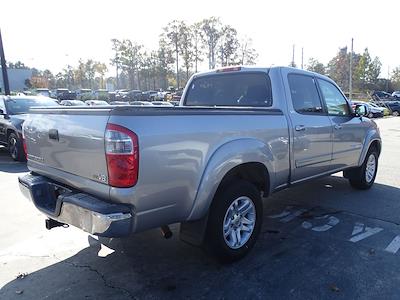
{"type": "Point", "coordinates": [83, 94]}
{"type": "Point", "coordinates": [96, 102]}
{"type": "Point", "coordinates": [43, 92]}
{"type": "Point", "coordinates": [396, 94]}
{"type": "Point", "coordinates": [13, 112]}
{"type": "Point", "coordinates": [133, 95]}
{"type": "Point", "coordinates": [141, 103]}
{"type": "Point", "coordinates": [119, 103]}
{"type": "Point", "coordinates": [174, 103]}
{"type": "Point", "coordinates": [100, 94]}
{"type": "Point", "coordinates": [381, 95]}
{"type": "Point", "coordinates": [72, 103]}
{"type": "Point", "coordinates": [148, 96]}
{"type": "Point", "coordinates": [374, 110]}
{"type": "Point", "coordinates": [241, 134]}
{"type": "Point", "coordinates": [394, 106]}
{"type": "Point", "coordinates": [162, 103]}
{"type": "Point", "coordinates": [65, 94]}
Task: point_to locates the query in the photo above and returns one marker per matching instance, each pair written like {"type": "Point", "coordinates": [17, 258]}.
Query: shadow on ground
{"type": "Point", "coordinates": [281, 266]}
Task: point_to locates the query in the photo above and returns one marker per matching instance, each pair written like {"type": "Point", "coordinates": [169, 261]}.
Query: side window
{"type": "Point", "coordinates": [305, 97]}
{"type": "Point", "coordinates": [335, 101]}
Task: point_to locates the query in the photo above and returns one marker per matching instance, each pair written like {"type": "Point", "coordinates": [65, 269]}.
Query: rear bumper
{"type": "Point", "coordinates": [81, 210]}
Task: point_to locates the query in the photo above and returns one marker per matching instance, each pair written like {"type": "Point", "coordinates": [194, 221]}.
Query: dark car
{"type": "Point", "coordinates": [149, 96]}
{"type": "Point", "coordinates": [381, 95]}
{"type": "Point", "coordinates": [13, 112]}
{"type": "Point", "coordinates": [394, 106]}
{"type": "Point", "coordinates": [133, 95]}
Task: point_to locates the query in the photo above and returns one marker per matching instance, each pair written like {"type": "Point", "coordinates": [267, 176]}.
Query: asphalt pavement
{"type": "Point", "coordinates": [320, 240]}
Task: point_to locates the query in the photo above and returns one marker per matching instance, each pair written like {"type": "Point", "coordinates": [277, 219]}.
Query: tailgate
{"type": "Point", "coordinates": [68, 140]}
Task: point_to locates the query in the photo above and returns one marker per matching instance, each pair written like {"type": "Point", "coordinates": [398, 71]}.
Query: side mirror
{"type": "Point", "coordinates": [361, 110]}
{"type": "Point", "coordinates": [1, 112]}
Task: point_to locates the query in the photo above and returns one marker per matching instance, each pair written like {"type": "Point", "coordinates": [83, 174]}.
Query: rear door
{"type": "Point", "coordinates": [348, 130]}
{"type": "Point", "coordinates": [311, 128]}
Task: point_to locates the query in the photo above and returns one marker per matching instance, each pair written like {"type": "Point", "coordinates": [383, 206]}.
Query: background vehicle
{"type": "Point", "coordinates": [381, 95]}
{"type": "Point", "coordinates": [375, 111]}
{"type": "Point", "coordinates": [394, 106]}
{"type": "Point", "coordinates": [83, 94]}
{"type": "Point", "coordinates": [100, 94]}
{"type": "Point", "coordinates": [141, 103]}
{"type": "Point", "coordinates": [238, 134]}
{"type": "Point", "coordinates": [119, 103]}
{"type": "Point", "coordinates": [13, 112]}
{"type": "Point", "coordinates": [72, 103]}
{"type": "Point", "coordinates": [396, 94]}
{"type": "Point", "coordinates": [96, 102]}
{"type": "Point", "coordinates": [149, 95]}
{"type": "Point", "coordinates": [162, 103]}
{"type": "Point", "coordinates": [133, 95]}
{"type": "Point", "coordinates": [43, 92]}
{"type": "Point", "coordinates": [65, 94]}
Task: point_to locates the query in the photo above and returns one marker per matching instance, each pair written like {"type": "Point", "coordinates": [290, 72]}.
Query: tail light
{"type": "Point", "coordinates": [122, 154]}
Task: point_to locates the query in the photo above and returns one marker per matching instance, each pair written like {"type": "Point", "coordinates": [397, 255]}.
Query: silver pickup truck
{"type": "Point", "coordinates": [238, 135]}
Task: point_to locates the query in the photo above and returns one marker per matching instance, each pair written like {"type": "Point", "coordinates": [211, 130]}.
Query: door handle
{"type": "Point", "coordinates": [300, 128]}
{"type": "Point", "coordinates": [337, 127]}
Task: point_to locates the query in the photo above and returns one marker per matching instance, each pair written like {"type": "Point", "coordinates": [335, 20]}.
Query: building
{"type": "Point", "coordinates": [17, 79]}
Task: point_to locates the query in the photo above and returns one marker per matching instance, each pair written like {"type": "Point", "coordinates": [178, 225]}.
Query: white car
{"type": "Point", "coordinates": [375, 111]}
{"type": "Point", "coordinates": [396, 94]}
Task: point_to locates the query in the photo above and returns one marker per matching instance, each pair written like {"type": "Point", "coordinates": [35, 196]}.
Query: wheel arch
{"type": "Point", "coordinates": [248, 159]}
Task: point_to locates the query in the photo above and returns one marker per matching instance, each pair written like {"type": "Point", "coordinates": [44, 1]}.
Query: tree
{"type": "Point", "coordinates": [338, 68]}
{"type": "Point", "coordinates": [186, 49]}
{"type": "Point", "coordinates": [198, 46]}
{"type": "Point", "coordinates": [131, 59]}
{"type": "Point", "coordinates": [228, 46]}
{"type": "Point", "coordinates": [211, 34]}
{"type": "Point", "coordinates": [116, 60]}
{"type": "Point", "coordinates": [247, 54]}
{"type": "Point", "coordinates": [173, 38]}
{"type": "Point", "coordinates": [100, 69]}
{"type": "Point", "coordinates": [314, 65]}
{"type": "Point", "coordinates": [395, 78]}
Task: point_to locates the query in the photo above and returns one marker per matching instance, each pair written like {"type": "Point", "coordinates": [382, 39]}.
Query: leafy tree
{"type": "Point", "coordinates": [228, 46]}
{"type": "Point", "coordinates": [316, 66]}
{"type": "Point", "coordinates": [186, 49]}
{"type": "Point", "coordinates": [131, 59]}
{"type": "Point", "coordinates": [211, 34]}
{"type": "Point", "coordinates": [395, 78]}
{"type": "Point", "coordinates": [173, 37]}
{"type": "Point", "coordinates": [116, 60]}
{"type": "Point", "coordinates": [198, 46]}
{"type": "Point", "coordinates": [338, 68]}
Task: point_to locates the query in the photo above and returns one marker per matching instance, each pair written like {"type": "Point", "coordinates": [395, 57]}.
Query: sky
{"type": "Point", "coordinates": [50, 34]}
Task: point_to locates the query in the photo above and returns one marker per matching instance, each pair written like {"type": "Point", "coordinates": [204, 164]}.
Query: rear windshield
{"type": "Point", "coordinates": [239, 89]}
{"type": "Point", "coordinates": [21, 106]}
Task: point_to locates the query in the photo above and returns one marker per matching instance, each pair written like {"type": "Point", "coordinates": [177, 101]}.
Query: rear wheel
{"type": "Point", "coordinates": [370, 115]}
{"type": "Point", "coordinates": [363, 177]}
{"type": "Point", "coordinates": [234, 221]}
{"type": "Point", "coordinates": [395, 113]}
{"type": "Point", "coordinates": [15, 148]}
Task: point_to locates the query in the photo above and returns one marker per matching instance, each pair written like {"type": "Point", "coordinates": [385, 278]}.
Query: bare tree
{"type": "Point", "coordinates": [228, 46]}
{"type": "Point", "coordinates": [247, 54]}
{"type": "Point", "coordinates": [198, 46]}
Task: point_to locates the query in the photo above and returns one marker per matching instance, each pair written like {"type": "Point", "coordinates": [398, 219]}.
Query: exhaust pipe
{"type": "Point", "coordinates": [166, 232]}
{"type": "Point", "coordinates": [50, 223]}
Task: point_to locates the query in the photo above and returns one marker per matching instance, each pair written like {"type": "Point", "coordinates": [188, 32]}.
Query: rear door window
{"type": "Point", "coordinates": [304, 93]}
{"type": "Point", "coordinates": [239, 89]}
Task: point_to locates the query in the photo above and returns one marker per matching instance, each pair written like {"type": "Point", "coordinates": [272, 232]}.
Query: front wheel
{"type": "Point", "coordinates": [370, 115]}
{"type": "Point", "coordinates": [363, 177]}
{"type": "Point", "coordinates": [395, 113]}
{"type": "Point", "coordinates": [234, 221]}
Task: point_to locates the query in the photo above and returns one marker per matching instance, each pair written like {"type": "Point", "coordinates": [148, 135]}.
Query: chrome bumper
{"type": "Point", "coordinates": [81, 210]}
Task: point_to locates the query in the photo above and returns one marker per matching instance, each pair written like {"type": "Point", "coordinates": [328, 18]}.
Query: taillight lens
{"type": "Point", "coordinates": [24, 145]}
{"type": "Point", "coordinates": [122, 154]}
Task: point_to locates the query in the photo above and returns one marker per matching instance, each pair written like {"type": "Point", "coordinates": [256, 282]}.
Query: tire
{"type": "Point", "coordinates": [370, 115]}
{"type": "Point", "coordinates": [363, 177]}
{"type": "Point", "coordinates": [222, 219]}
{"type": "Point", "coordinates": [395, 113]}
{"type": "Point", "coordinates": [15, 147]}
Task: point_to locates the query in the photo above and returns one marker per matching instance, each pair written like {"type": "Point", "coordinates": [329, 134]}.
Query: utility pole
{"type": "Point", "coordinates": [351, 72]}
{"type": "Point", "coordinates": [302, 57]}
{"type": "Point", "coordinates": [293, 57]}
{"type": "Point", "coordinates": [4, 68]}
